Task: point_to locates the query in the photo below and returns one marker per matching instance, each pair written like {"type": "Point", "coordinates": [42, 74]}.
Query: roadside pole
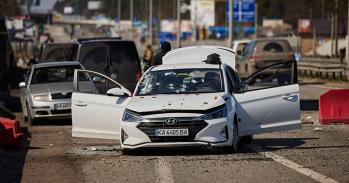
{"type": "Point", "coordinates": [178, 23]}
{"type": "Point", "coordinates": [256, 19]}
{"type": "Point", "coordinates": [195, 21]}
{"type": "Point", "coordinates": [151, 21]}
{"type": "Point", "coordinates": [336, 30]}
{"type": "Point", "coordinates": [231, 23]}
{"type": "Point", "coordinates": [131, 18]}
{"type": "Point", "coordinates": [119, 17]}
{"type": "Point", "coordinates": [347, 49]}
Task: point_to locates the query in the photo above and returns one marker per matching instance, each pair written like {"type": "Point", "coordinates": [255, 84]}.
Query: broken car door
{"type": "Point", "coordinates": [97, 112]}
{"type": "Point", "coordinates": [270, 100]}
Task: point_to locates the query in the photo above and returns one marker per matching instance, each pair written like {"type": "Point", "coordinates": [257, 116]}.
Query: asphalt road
{"type": "Point", "coordinates": [313, 154]}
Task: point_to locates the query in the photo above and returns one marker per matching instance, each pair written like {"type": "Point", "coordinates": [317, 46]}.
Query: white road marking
{"type": "Point", "coordinates": [163, 173]}
{"type": "Point", "coordinates": [290, 164]}
{"type": "Point", "coordinates": [324, 87]}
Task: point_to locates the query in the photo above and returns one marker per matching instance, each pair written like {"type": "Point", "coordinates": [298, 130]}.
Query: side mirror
{"type": "Point", "coordinates": [97, 79]}
{"type": "Point", "coordinates": [239, 53]}
{"type": "Point", "coordinates": [22, 84]}
{"type": "Point", "coordinates": [116, 92]}
{"type": "Point", "coordinates": [243, 87]}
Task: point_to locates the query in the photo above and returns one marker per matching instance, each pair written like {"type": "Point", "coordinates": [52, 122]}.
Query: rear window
{"type": "Point", "coordinates": [55, 52]}
{"type": "Point", "coordinates": [93, 56]}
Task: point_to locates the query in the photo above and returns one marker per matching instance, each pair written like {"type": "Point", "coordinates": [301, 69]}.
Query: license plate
{"type": "Point", "coordinates": [62, 106]}
{"type": "Point", "coordinates": [171, 132]}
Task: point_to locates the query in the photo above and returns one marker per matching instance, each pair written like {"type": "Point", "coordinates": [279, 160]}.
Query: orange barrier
{"type": "Point", "coordinates": [334, 107]}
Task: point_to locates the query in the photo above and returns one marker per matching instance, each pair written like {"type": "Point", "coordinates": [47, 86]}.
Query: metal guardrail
{"type": "Point", "coordinates": [323, 68]}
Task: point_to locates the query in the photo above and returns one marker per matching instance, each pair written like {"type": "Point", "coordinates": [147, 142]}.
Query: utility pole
{"type": "Point", "coordinates": [131, 18]}
{"type": "Point", "coordinates": [256, 19]}
{"type": "Point", "coordinates": [336, 30]}
{"type": "Point", "coordinates": [119, 17]}
{"type": "Point", "coordinates": [231, 23]}
{"type": "Point", "coordinates": [195, 21]}
{"type": "Point", "coordinates": [151, 21]}
{"type": "Point", "coordinates": [332, 34]}
{"type": "Point", "coordinates": [178, 23]}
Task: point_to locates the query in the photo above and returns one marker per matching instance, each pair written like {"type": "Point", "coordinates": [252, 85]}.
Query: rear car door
{"type": "Point", "coordinates": [97, 114]}
{"type": "Point", "coordinates": [270, 100]}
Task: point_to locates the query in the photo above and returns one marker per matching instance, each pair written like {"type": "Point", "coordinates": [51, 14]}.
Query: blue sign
{"type": "Point", "coordinates": [244, 10]}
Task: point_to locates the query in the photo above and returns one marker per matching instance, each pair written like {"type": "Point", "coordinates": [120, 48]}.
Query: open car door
{"type": "Point", "coordinates": [97, 110]}
{"type": "Point", "coordinates": [270, 100]}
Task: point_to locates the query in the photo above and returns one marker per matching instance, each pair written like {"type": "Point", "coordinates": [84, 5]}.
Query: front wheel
{"type": "Point", "coordinates": [236, 139]}
{"type": "Point", "coordinates": [30, 119]}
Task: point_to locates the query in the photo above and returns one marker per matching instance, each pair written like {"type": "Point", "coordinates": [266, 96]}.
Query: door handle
{"type": "Point", "coordinates": [290, 97]}
{"type": "Point", "coordinates": [81, 104]}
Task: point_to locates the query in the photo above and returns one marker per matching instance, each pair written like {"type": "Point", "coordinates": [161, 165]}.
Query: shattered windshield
{"type": "Point", "coordinates": [181, 81]}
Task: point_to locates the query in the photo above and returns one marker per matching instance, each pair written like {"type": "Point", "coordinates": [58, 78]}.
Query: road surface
{"type": "Point", "coordinates": [313, 154]}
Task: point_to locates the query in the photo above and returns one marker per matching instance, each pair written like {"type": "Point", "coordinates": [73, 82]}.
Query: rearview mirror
{"type": "Point", "coordinates": [116, 92]}
{"type": "Point", "coordinates": [97, 79]}
{"type": "Point", "coordinates": [22, 84]}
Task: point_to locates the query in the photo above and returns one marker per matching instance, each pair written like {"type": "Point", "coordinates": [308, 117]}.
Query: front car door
{"type": "Point", "coordinates": [270, 100]}
{"type": "Point", "coordinates": [95, 113]}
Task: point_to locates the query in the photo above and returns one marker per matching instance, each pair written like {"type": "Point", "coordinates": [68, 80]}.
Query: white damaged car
{"type": "Point", "coordinates": [189, 104]}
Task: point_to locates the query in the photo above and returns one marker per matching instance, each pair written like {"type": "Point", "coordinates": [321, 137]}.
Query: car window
{"type": "Point", "coordinates": [181, 81]}
{"type": "Point", "coordinates": [235, 78]}
{"type": "Point", "coordinates": [55, 52]}
{"type": "Point", "coordinates": [276, 75]}
{"type": "Point", "coordinates": [273, 46]}
{"type": "Point", "coordinates": [241, 47]}
{"type": "Point", "coordinates": [249, 49]}
{"type": "Point", "coordinates": [94, 57]}
{"type": "Point", "coordinates": [54, 74]}
{"type": "Point", "coordinates": [100, 83]}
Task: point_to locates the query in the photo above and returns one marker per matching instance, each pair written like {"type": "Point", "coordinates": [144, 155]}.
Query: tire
{"type": "Point", "coordinates": [246, 139]}
{"type": "Point", "coordinates": [30, 119]}
{"type": "Point", "coordinates": [236, 140]}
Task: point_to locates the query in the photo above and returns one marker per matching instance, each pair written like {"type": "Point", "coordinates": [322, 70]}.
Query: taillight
{"type": "Point", "coordinates": [138, 76]}
{"type": "Point", "coordinates": [253, 58]}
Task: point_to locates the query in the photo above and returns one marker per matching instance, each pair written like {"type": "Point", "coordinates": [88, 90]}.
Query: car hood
{"type": "Point", "coordinates": [185, 102]}
{"type": "Point", "coordinates": [51, 88]}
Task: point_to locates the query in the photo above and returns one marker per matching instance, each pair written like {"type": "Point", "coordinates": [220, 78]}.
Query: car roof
{"type": "Point", "coordinates": [186, 66]}
{"type": "Point", "coordinates": [242, 41]}
{"type": "Point", "coordinates": [197, 54]}
{"type": "Point", "coordinates": [55, 64]}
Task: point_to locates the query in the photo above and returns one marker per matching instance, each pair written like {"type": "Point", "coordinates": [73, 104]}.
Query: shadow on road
{"type": "Point", "coordinates": [52, 122]}
{"type": "Point", "coordinates": [281, 143]}
{"type": "Point", "coordinates": [309, 104]}
{"type": "Point", "coordinates": [12, 159]}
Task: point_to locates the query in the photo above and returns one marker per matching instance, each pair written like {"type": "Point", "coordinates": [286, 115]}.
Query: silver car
{"type": "Point", "coordinates": [47, 90]}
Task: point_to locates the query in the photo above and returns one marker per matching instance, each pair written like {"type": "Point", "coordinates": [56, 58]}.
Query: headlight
{"type": "Point", "coordinates": [219, 113]}
{"type": "Point", "coordinates": [131, 117]}
{"type": "Point", "coordinates": [43, 98]}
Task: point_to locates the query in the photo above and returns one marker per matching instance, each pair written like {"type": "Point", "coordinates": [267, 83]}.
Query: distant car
{"type": "Point", "coordinates": [238, 47]}
{"type": "Point", "coordinates": [264, 52]}
{"type": "Point", "coordinates": [47, 89]}
{"type": "Point", "coordinates": [113, 57]}
{"type": "Point", "coordinates": [191, 103]}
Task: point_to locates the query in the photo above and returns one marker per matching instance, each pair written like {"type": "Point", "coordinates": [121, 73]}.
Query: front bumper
{"type": "Point", "coordinates": [208, 135]}
{"type": "Point", "coordinates": [47, 110]}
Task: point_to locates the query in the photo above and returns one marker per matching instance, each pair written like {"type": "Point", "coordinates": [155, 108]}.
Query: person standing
{"type": "Point", "coordinates": [165, 48]}
{"type": "Point", "coordinates": [147, 57]}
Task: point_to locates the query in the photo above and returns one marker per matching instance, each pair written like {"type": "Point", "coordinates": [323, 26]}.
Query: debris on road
{"type": "Point", "coordinates": [317, 129]}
